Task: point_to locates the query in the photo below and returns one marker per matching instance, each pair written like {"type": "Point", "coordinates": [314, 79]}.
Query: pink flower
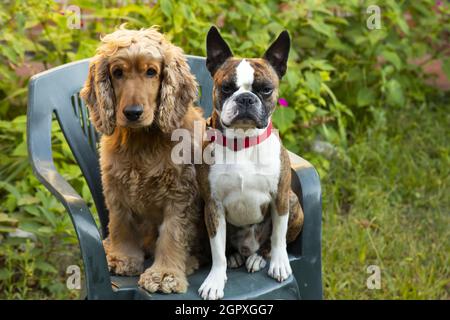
{"type": "Point", "coordinates": [283, 102]}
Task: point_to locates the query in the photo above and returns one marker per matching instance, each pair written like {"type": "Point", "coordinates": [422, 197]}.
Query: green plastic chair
{"type": "Point", "coordinates": [56, 91]}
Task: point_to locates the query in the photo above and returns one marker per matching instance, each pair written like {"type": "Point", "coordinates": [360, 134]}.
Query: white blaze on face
{"type": "Point", "coordinates": [244, 76]}
{"type": "Point", "coordinates": [244, 80]}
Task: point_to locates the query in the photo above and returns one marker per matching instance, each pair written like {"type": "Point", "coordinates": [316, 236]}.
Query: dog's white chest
{"type": "Point", "coordinates": [245, 181]}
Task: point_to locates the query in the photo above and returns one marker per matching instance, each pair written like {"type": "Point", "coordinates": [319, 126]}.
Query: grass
{"type": "Point", "coordinates": [387, 204]}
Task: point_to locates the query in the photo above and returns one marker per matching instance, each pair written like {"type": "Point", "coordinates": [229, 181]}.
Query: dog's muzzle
{"type": "Point", "coordinates": [249, 109]}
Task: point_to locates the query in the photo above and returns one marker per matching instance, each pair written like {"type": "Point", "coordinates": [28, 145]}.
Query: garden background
{"type": "Point", "coordinates": [369, 108]}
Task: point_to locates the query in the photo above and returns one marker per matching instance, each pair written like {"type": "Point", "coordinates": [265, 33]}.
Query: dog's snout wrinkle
{"type": "Point", "coordinates": [133, 112]}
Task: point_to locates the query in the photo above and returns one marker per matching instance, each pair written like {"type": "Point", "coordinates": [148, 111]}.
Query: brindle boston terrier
{"type": "Point", "coordinates": [249, 179]}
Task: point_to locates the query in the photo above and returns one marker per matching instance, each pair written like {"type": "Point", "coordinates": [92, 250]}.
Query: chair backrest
{"type": "Point", "coordinates": [57, 92]}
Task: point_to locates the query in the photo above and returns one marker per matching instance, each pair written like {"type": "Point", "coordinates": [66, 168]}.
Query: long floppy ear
{"type": "Point", "coordinates": [99, 96]}
{"type": "Point", "coordinates": [178, 89]}
{"type": "Point", "coordinates": [278, 52]}
{"type": "Point", "coordinates": [217, 50]}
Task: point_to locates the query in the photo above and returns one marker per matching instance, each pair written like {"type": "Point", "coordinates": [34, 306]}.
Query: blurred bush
{"type": "Point", "coordinates": [340, 74]}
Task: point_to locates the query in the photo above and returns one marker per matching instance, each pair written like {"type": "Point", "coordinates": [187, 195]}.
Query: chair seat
{"type": "Point", "coordinates": [240, 285]}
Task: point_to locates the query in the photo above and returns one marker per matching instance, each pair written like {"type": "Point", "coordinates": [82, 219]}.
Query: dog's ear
{"type": "Point", "coordinates": [178, 89]}
{"type": "Point", "coordinates": [99, 96]}
{"type": "Point", "coordinates": [217, 50]}
{"type": "Point", "coordinates": [278, 52]}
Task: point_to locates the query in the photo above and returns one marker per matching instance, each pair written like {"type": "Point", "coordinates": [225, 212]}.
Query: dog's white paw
{"type": "Point", "coordinates": [235, 260]}
{"type": "Point", "coordinates": [279, 268]}
{"type": "Point", "coordinates": [255, 263]}
{"type": "Point", "coordinates": [212, 287]}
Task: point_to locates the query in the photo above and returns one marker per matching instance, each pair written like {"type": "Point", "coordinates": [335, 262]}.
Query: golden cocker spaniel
{"type": "Point", "coordinates": [139, 89]}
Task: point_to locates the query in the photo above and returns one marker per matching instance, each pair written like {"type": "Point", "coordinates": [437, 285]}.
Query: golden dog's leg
{"type": "Point", "coordinates": [168, 272]}
{"type": "Point", "coordinates": [192, 264]}
{"type": "Point", "coordinates": [123, 251]}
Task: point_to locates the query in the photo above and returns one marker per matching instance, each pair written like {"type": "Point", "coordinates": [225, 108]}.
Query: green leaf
{"type": "Point", "coordinates": [166, 7]}
{"type": "Point", "coordinates": [292, 78]}
{"type": "Point", "coordinates": [5, 274]}
{"type": "Point", "coordinates": [312, 81]}
{"type": "Point", "coordinates": [322, 65]}
{"type": "Point", "coordinates": [46, 267]}
{"type": "Point", "coordinates": [7, 220]}
{"type": "Point", "coordinates": [310, 108]}
{"type": "Point", "coordinates": [316, 64]}
{"type": "Point", "coordinates": [30, 226]}
{"type": "Point", "coordinates": [395, 96]}
{"type": "Point", "coordinates": [49, 215]}
{"type": "Point", "coordinates": [393, 58]}
{"type": "Point", "coordinates": [403, 25]}
{"type": "Point", "coordinates": [45, 230]}
{"type": "Point", "coordinates": [322, 27]}
{"type": "Point", "coordinates": [6, 229]}
{"type": "Point", "coordinates": [283, 119]}
{"type": "Point", "coordinates": [33, 210]}
{"type": "Point", "coordinates": [9, 53]}
{"type": "Point", "coordinates": [365, 97]}
{"type": "Point", "coordinates": [27, 199]}
{"type": "Point", "coordinates": [11, 189]}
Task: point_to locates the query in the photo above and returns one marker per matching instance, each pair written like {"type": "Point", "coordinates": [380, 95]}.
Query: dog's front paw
{"type": "Point", "coordinates": [212, 287]}
{"type": "Point", "coordinates": [255, 263]}
{"type": "Point", "coordinates": [235, 260]}
{"type": "Point", "coordinates": [160, 279]}
{"type": "Point", "coordinates": [124, 265]}
{"type": "Point", "coordinates": [279, 268]}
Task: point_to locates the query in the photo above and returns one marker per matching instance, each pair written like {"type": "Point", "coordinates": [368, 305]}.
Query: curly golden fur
{"type": "Point", "coordinates": [153, 203]}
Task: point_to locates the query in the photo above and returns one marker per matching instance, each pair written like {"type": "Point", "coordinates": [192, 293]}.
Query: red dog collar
{"type": "Point", "coordinates": [237, 144]}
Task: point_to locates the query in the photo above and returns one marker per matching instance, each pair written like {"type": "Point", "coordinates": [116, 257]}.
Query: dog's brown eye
{"type": "Point", "coordinates": [151, 72]}
{"type": "Point", "coordinates": [227, 88]}
{"type": "Point", "coordinates": [118, 73]}
{"type": "Point", "coordinates": [266, 91]}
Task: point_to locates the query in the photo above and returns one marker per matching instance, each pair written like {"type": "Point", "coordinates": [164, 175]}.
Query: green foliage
{"type": "Point", "coordinates": [341, 79]}
{"type": "Point", "coordinates": [30, 260]}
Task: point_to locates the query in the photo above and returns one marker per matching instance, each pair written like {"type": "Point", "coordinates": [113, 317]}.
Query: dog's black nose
{"type": "Point", "coordinates": [246, 100]}
{"type": "Point", "coordinates": [133, 112]}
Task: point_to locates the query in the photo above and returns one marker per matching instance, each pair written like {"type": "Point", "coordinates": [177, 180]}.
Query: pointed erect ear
{"type": "Point", "coordinates": [278, 53]}
{"type": "Point", "coordinates": [217, 50]}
